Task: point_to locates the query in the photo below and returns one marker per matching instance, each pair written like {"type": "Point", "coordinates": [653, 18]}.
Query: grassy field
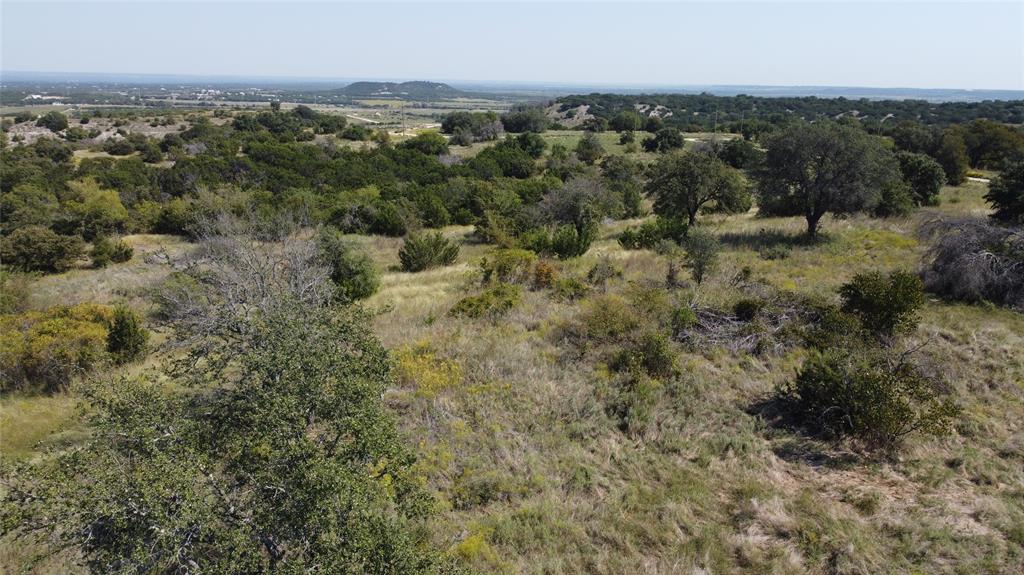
{"type": "Point", "coordinates": [531, 474]}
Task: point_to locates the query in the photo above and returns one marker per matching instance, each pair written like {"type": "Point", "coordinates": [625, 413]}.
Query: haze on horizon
{"type": "Point", "coordinates": [921, 44]}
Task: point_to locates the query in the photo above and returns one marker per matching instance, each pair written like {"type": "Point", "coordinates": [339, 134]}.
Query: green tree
{"type": "Point", "coordinates": [951, 154]}
{"type": "Point", "coordinates": [814, 169]}
{"type": "Point", "coordinates": [280, 457]}
{"type": "Point", "coordinates": [702, 248]}
{"type": "Point", "coordinates": [589, 148]}
{"type": "Point", "coordinates": [35, 248]}
{"type": "Point", "coordinates": [96, 211]}
{"type": "Point", "coordinates": [430, 143]}
{"type": "Point", "coordinates": [665, 140]}
{"type": "Point", "coordinates": [1006, 194]}
{"type": "Point", "coordinates": [126, 339]}
{"type": "Point", "coordinates": [924, 175]}
{"type": "Point", "coordinates": [28, 204]}
{"type": "Point", "coordinates": [53, 121]}
{"type": "Point", "coordinates": [352, 272]}
{"type": "Point", "coordinates": [684, 183]}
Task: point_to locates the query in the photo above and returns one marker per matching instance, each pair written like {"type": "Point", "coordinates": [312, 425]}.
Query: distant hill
{"type": "Point", "coordinates": [417, 90]}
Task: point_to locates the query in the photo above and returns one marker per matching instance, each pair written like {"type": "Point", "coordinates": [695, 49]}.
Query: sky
{"type": "Point", "coordinates": [916, 44]}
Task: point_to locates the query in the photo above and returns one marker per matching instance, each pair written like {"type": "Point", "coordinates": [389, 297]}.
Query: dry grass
{"type": "Point", "coordinates": [532, 475]}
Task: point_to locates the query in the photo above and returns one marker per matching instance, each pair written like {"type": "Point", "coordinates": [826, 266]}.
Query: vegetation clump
{"type": "Point", "coordinates": [702, 249]}
{"type": "Point", "coordinates": [35, 248]}
{"type": "Point", "coordinates": [106, 251]}
{"type": "Point", "coordinates": [127, 338]}
{"type": "Point", "coordinates": [875, 399]}
{"type": "Point", "coordinates": [885, 305]}
{"type": "Point", "coordinates": [428, 250]}
{"type": "Point", "coordinates": [492, 302]}
{"type": "Point", "coordinates": [511, 266]}
{"type": "Point", "coordinates": [353, 274]}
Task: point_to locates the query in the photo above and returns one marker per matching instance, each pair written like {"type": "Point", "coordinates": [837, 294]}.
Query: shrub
{"type": "Point", "coordinates": [425, 251]}
{"type": "Point", "coordinates": [867, 397]}
{"type": "Point", "coordinates": [974, 260]}
{"type": "Point", "coordinates": [35, 248]}
{"type": "Point", "coordinates": [14, 292]}
{"type": "Point", "coordinates": [747, 309]}
{"type": "Point", "coordinates": [544, 275]}
{"type": "Point", "coordinates": [606, 319]}
{"type": "Point", "coordinates": [1006, 194]}
{"type": "Point", "coordinates": [352, 273]}
{"type": "Point", "coordinates": [493, 302]}
{"type": "Point", "coordinates": [652, 232]}
{"type": "Point", "coordinates": [701, 257]}
{"type": "Point", "coordinates": [568, 241]}
{"type": "Point", "coordinates": [53, 121]}
{"type": "Point", "coordinates": [683, 318]}
{"type": "Point", "coordinates": [104, 251]}
{"type": "Point", "coordinates": [512, 266]}
{"type": "Point", "coordinates": [885, 305]}
{"type": "Point", "coordinates": [650, 353]}
{"type": "Point", "coordinates": [126, 339]}
{"type": "Point", "coordinates": [569, 289]}
{"type": "Point", "coordinates": [46, 350]}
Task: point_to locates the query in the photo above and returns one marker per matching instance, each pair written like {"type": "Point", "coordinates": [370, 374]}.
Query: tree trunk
{"type": "Point", "coordinates": [812, 225]}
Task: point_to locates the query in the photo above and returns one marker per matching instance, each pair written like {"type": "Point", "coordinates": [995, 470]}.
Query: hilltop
{"type": "Point", "coordinates": [416, 90]}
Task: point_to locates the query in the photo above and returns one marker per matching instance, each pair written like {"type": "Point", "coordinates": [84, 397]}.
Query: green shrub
{"type": "Point", "coordinates": [885, 306]}
{"type": "Point", "coordinates": [569, 241]}
{"type": "Point", "coordinates": [649, 234]}
{"type": "Point", "coordinates": [747, 309]}
{"type": "Point", "coordinates": [352, 272]}
{"type": "Point", "coordinates": [701, 257]}
{"type": "Point", "coordinates": [104, 251]}
{"type": "Point", "coordinates": [683, 318]}
{"type": "Point", "coordinates": [425, 251]}
{"type": "Point", "coordinates": [512, 266]}
{"type": "Point", "coordinates": [35, 248]}
{"type": "Point", "coordinates": [126, 339]}
{"type": "Point", "coordinates": [493, 302]}
{"type": "Point", "coordinates": [867, 396]}
{"type": "Point", "coordinates": [569, 289]}
{"type": "Point", "coordinates": [607, 319]}
{"type": "Point", "coordinates": [834, 328]}
{"type": "Point", "coordinates": [650, 353]}
{"type": "Point", "coordinates": [47, 350]}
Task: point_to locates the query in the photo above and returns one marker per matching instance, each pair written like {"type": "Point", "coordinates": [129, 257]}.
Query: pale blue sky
{"type": "Point", "coordinates": [880, 44]}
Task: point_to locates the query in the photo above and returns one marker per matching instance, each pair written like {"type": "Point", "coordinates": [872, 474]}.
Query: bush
{"type": "Point", "coordinates": [973, 260]}
{"type": "Point", "coordinates": [683, 318]}
{"type": "Point", "coordinates": [425, 251]}
{"type": "Point", "coordinates": [775, 252]}
{"type": "Point", "coordinates": [35, 248]}
{"type": "Point", "coordinates": [126, 339]}
{"type": "Point", "coordinates": [544, 275]}
{"type": "Point", "coordinates": [569, 289]}
{"type": "Point", "coordinates": [493, 302]}
{"type": "Point", "coordinates": [653, 232]}
{"type": "Point", "coordinates": [747, 309]}
{"type": "Point", "coordinates": [53, 121]}
{"type": "Point", "coordinates": [606, 319]}
{"type": "Point", "coordinates": [867, 397]}
{"type": "Point", "coordinates": [885, 305]}
{"type": "Point", "coordinates": [568, 241]}
{"type": "Point", "coordinates": [701, 257]}
{"type": "Point", "coordinates": [512, 266]}
{"type": "Point", "coordinates": [104, 251]}
{"type": "Point", "coordinates": [47, 350]}
{"type": "Point", "coordinates": [1006, 194]}
{"type": "Point", "coordinates": [650, 353]}
{"type": "Point", "coordinates": [353, 273]}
